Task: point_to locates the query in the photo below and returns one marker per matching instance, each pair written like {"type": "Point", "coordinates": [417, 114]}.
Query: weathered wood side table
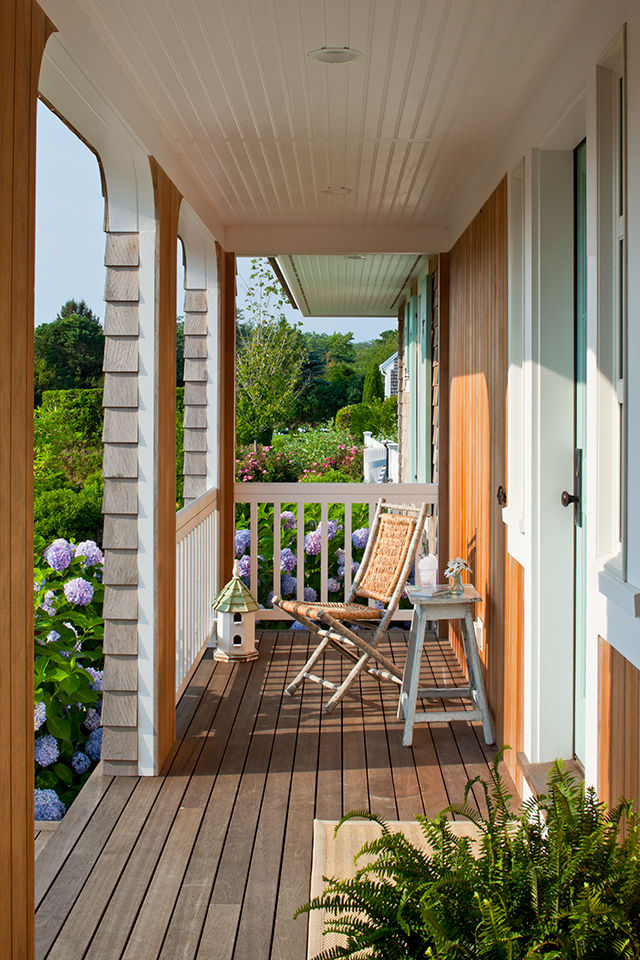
{"type": "Point", "coordinates": [435, 608]}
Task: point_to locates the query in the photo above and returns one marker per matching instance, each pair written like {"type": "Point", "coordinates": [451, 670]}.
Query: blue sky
{"type": "Point", "coordinates": [70, 239]}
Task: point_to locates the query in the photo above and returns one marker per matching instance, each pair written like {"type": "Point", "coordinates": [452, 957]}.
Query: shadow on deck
{"type": "Point", "coordinates": [212, 859]}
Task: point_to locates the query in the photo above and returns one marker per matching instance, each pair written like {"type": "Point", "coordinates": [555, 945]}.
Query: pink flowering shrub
{"type": "Point", "coordinates": [298, 455]}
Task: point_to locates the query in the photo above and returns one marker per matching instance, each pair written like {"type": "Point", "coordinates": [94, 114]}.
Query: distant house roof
{"type": "Point", "coordinates": [388, 363]}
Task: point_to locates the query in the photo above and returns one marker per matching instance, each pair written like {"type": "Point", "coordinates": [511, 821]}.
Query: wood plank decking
{"type": "Point", "coordinates": [212, 859]}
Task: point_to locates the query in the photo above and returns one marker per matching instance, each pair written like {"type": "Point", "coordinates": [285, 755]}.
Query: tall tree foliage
{"type": "Point", "coordinates": [68, 351]}
{"type": "Point", "coordinates": [373, 385]}
{"type": "Point", "coordinates": [270, 357]}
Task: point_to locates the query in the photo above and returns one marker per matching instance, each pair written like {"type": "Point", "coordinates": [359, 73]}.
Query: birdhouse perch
{"type": "Point", "coordinates": [235, 622]}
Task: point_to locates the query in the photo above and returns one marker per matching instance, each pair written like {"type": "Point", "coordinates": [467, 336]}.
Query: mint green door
{"type": "Point", "coordinates": [580, 216]}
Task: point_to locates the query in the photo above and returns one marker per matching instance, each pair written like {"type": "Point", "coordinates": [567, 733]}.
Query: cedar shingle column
{"type": "Point", "coordinates": [120, 505]}
{"type": "Point", "coordinates": [195, 393]}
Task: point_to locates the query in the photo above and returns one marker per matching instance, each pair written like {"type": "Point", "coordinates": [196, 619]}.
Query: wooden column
{"type": "Point", "coordinates": [167, 200]}
{"type": "Point", "coordinates": [24, 30]}
{"type": "Point", "coordinates": [227, 376]}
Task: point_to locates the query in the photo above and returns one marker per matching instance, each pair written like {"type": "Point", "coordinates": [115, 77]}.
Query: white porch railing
{"type": "Point", "coordinates": [196, 552]}
{"type": "Point", "coordinates": [299, 496]}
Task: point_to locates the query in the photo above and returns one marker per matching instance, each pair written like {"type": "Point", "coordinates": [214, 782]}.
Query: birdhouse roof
{"type": "Point", "coordinates": [235, 598]}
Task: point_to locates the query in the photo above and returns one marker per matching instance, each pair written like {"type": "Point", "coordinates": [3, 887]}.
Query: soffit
{"type": "Point", "coordinates": [326, 286]}
{"type": "Point", "coordinates": [223, 94]}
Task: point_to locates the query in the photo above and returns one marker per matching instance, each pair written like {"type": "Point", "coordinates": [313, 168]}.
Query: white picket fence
{"type": "Point", "coordinates": [196, 553]}
{"type": "Point", "coordinates": [298, 496]}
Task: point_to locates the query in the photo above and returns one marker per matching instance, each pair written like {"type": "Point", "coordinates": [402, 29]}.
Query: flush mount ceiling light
{"type": "Point", "coordinates": [337, 191]}
{"type": "Point", "coordinates": [334, 54]}
{"type": "Point", "coordinates": [355, 256]}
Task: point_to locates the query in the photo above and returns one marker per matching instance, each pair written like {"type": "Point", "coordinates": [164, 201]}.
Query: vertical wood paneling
{"type": "Point", "coordinates": [227, 375]}
{"type": "Point", "coordinates": [167, 200]}
{"type": "Point", "coordinates": [24, 30]}
{"type": "Point", "coordinates": [476, 353]}
{"type": "Point", "coordinates": [619, 726]}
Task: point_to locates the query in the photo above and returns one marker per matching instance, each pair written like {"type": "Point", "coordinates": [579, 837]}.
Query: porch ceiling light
{"type": "Point", "coordinates": [355, 256]}
{"type": "Point", "coordinates": [337, 191]}
{"type": "Point", "coordinates": [334, 54]}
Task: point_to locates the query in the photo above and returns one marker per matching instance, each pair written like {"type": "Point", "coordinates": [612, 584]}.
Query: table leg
{"type": "Point", "coordinates": [413, 665]}
{"type": "Point", "coordinates": [475, 674]}
{"type": "Point", "coordinates": [406, 675]}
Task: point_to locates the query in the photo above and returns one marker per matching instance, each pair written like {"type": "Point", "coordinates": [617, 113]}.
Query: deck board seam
{"type": "Point", "coordinates": [235, 799]}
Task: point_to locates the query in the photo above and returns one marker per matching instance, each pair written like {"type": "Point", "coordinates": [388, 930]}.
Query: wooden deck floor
{"type": "Point", "coordinates": [212, 859]}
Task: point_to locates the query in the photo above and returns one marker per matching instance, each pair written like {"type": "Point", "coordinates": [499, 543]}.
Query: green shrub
{"type": "Point", "coordinates": [373, 388]}
{"type": "Point", "coordinates": [74, 513]}
{"type": "Point", "coordinates": [67, 435]}
{"type": "Point", "coordinates": [179, 448]}
{"type": "Point", "coordinates": [389, 421]}
{"type": "Point", "coordinates": [558, 879]}
{"type": "Point", "coordinates": [360, 417]}
{"type": "Point", "coordinates": [329, 476]}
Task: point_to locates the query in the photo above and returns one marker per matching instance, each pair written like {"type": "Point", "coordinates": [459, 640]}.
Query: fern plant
{"type": "Point", "coordinates": [560, 878]}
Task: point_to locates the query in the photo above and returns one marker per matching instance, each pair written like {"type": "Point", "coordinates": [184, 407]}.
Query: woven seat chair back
{"type": "Point", "coordinates": [389, 553]}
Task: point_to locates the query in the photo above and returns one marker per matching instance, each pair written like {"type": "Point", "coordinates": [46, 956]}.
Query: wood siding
{"type": "Point", "coordinates": [167, 201]}
{"type": "Point", "coordinates": [227, 407]}
{"type": "Point", "coordinates": [24, 30]}
{"type": "Point", "coordinates": [477, 378]}
{"type": "Point", "coordinates": [619, 726]}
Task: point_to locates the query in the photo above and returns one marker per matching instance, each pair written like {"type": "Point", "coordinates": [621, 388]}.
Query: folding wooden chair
{"type": "Point", "coordinates": [393, 541]}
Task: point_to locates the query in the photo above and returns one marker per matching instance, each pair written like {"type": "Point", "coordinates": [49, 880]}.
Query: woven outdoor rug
{"type": "Point", "coordinates": [334, 857]}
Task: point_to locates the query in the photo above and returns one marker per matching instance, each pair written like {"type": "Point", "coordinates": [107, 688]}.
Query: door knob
{"type": "Point", "coordinates": [501, 495]}
{"type": "Point", "coordinates": [567, 498]}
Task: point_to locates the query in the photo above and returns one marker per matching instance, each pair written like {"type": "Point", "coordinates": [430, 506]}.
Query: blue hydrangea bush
{"type": "Point", "coordinates": [287, 562]}
{"type": "Point", "coordinates": [68, 635]}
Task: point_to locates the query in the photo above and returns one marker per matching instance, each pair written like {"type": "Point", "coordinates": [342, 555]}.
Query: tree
{"type": "Point", "coordinates": [180, 352]}
{"type": "Point", "coordinates": [68, 351]}
{"type": "Point", "coordinates": [373, 385]}
{"type": "Point", "coordinates": [270, 355]}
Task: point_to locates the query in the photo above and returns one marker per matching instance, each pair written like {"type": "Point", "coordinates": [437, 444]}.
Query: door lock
{"type": "Point", "coordinates": [566, 498]}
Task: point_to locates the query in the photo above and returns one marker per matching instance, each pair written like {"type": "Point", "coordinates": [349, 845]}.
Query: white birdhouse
{"type": "Point", "coordinates": [235, 621]}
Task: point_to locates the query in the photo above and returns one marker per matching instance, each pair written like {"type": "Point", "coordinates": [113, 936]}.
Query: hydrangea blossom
{"type": "Point", "coordinates": [244, 565]}
{"type": "Point", "coordinates": [296, 625]}
{"type": "Point", "coordinates": [39, 715]}
{"type": "Point", "coordinates": [80, 762]}
{"type": "Point", "coordinates": [48, 805]}
{"type": "Point", "coordinates": [59, 554]}
{"type": "Point", "coordinates": [47, 603]}
{"type": "Point", "coordinates": [332, 528]}
{"type": "Point", "coordinates": [92, 720]}
{"type": "Point", "coordinates": [288, 560]}
{"type": "Point", "coordinates": [242, 541]}
{"type": "Point", "coordinates": [359, 538]}
{"type": "Point", "coordinates": [332, 585]}
{"type": "Point", "coordinates": [94, 744]}
{"type": "Point", "coordinates": [96, 683]}
{"type": "Point", "coordinates": [52, 636]}
{"type": "Point", "coordinates": [288, 520]}
{"type": "Point", "coordinates": [78, 591]}
{"type": "Point", "coordinates": [45, 750]}
{"type": "Point", "coordinates": [313, 543]}
{"type": "Point", "coordinates": [310, 595]}
{"type": "Point", "coordinates": [91, 552]}
{"type": "Point", "coordinates": [270, 597]}
{"type": "Point", "coordinates": [288, 585]}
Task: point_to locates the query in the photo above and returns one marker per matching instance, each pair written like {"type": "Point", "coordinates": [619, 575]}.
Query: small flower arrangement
{"type": "Point", "coordinates": [453, 572]}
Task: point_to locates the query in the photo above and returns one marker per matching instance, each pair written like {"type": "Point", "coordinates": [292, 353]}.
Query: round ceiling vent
{"type": "Point", "coordinates": [335, 54]}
